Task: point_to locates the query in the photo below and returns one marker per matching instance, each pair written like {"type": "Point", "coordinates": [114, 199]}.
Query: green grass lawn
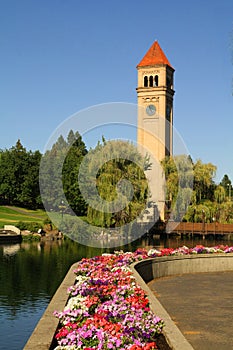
{"type": "Point", "coordinates": [12, 215]}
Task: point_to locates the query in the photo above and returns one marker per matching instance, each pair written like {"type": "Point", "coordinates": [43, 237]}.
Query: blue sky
{"type": "Point", "coordinates": [58, 57]}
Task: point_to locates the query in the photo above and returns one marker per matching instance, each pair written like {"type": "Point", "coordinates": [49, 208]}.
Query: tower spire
{"type": "Point", "coordinates": [154, 56]}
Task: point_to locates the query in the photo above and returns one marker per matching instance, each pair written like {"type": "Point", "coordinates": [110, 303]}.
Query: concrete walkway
{"type": "Point", "coordinates": [201, 305]}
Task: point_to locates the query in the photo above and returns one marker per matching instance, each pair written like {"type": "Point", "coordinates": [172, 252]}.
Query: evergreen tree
{"type": "Point", "coordinates": [70, 171]}
{"type": "Point", "coordinates": [226, 184]}
{"type": "Point", "coordinates": [59, 173]}
{"type": "Point", "coordinates": [19, 172]}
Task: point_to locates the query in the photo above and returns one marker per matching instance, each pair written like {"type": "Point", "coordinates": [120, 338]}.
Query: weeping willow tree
{"type": "Point", "coordinates": [178, 171]}
{"type": "Point", "coordinates": [192, 190]}
{"type": "Point", "coordinates": [120, 182]}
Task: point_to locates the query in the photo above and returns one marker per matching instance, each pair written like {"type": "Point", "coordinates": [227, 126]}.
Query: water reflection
{"type": "Point", "coordinates": [10, 249]}
{"type": "Point", "coordinates": [30, 273]}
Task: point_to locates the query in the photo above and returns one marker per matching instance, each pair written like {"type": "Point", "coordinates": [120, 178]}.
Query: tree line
{"type": "Point", "coordinates": [191, 191]}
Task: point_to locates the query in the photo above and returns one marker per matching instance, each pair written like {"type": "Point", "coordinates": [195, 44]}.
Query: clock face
{"type": "Point", "coordinates": [150, 110]}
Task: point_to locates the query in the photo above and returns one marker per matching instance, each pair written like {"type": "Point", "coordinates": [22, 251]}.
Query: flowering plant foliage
{"type": "Point", "coordinates": [198, 249]}
{"type": "Point", "coordinates": [107, 309]}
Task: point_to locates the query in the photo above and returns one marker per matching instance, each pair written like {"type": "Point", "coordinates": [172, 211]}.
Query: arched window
{"type": "Point", "coordinates": [156, 81]}
{"type": "Point", "coordinates": [145, 81]}
{"type": "Point", "coordinates": [151, 81]}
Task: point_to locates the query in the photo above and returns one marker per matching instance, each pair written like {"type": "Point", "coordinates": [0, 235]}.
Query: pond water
{"type": "Point", "coordinates": [30, 273]}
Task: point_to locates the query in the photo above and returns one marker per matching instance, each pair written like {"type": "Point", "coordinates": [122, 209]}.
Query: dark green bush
{"type": "Point", "coordinates": [30, 226]}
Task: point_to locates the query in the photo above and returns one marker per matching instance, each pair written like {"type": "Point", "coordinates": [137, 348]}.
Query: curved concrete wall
{"type": "Point", "coordinates": [147, 270]}
{"type": "Point", "coordinates": [172, 265]}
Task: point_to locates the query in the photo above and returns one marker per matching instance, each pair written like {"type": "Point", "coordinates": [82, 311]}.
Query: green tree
{"type": "Point", "coordinates": [219, 194]}
{"type": "Point", "coordinates": [77, 150]}
{"type": "Point", "coordinates": [19, 171]}
{"type": "Point", "coordinates": [226, 184]}
{"type": "Point", "coordinates": [59, 173]}
{"type": "Point", "coordinates": [50, 175]}
{"type": "Point", "coordinates": [226, 212]}
{"type": "Point", "coordinates": [112, 182]}
{"type": "Point", "coordinates": [178, 171]}
{"type": "Point", "coordinates": [172, 179]}
{"type": "Point", "coordinates": [30, 192]}
{"type": "Point", "coordinates": [204, 185]}
{"type": "Point", "coordinates": [204, 212]}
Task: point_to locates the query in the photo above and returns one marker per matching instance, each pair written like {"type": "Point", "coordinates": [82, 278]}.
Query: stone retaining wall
{"type": "Point", "coordinates": [147, 270]}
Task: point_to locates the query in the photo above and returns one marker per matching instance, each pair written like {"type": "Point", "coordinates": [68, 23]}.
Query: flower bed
{"type": "Point", "coordinates": [107, 309]}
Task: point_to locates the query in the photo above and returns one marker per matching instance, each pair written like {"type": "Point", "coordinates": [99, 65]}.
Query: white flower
{"type": "Point", "coordinates": [76, 302]}
{"type": "Point", "coordinates": [123, 268]}
{"type": "Point", "coordinates": [80, 279]}
{"type": "Point", "coordinates": [211, 250]}
{"type": "Point", "coordinates": [153, 251]}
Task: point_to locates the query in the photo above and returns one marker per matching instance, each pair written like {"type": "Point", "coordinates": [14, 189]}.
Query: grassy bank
{"type": "Point", "coordinates": [13, 215]}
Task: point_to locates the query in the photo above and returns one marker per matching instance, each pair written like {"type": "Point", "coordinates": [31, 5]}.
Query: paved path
{"type": "Point", "coordinates": [201, 305]}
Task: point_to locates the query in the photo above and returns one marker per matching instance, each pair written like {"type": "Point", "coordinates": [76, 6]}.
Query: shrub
{"type": "Point", "coordinates": [30, 226]}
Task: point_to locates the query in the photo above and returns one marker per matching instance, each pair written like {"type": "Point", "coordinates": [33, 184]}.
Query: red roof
{"type": "Point", "coordinates": [154, 56]}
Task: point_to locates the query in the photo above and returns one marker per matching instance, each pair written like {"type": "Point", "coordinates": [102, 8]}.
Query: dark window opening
{"type": "Point", "coordinates": [151, 81]}
{"type": "Point", "coordinates": [145, 81]}
{"type": "Point", "coordinates": [156, 82]}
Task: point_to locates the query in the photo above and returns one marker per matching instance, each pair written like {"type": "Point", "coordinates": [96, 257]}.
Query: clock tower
{"type": "Point", "coordinates": [155, 117]}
